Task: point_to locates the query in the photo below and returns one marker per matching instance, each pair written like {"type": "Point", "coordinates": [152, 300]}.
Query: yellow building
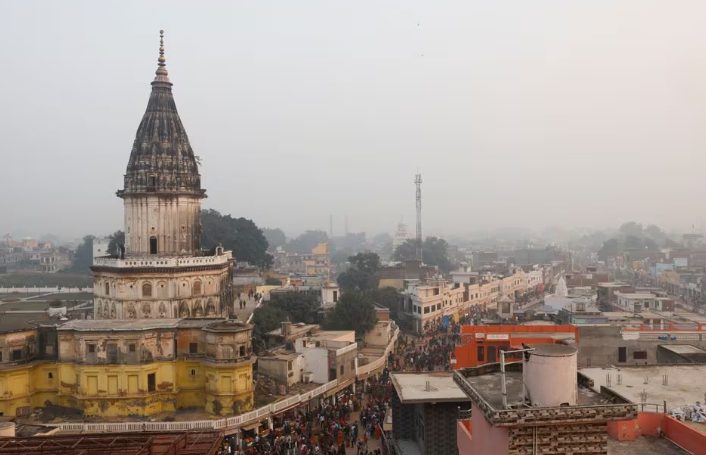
{"type": "Point", "coordinates": [129, 368]}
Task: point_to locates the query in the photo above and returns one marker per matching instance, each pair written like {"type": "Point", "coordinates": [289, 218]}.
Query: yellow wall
{"type": "Point", "coordinates": [122, 390]}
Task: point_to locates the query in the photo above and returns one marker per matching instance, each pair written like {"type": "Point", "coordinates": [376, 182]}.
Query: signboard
{"type": "Point", "coordinates": [498, 336]}
{"type": "Point", "coordinates": [480, 335]}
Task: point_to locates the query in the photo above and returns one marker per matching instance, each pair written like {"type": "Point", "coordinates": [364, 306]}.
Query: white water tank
{"type": "Point", "coordinates": [550, 375]}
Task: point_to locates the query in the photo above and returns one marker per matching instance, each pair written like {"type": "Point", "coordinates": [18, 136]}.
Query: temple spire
{"type": "Point", "coordinates": [162, 74]}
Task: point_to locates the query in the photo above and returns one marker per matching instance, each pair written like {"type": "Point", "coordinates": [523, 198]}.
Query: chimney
{"type": "Point", "coordinates": [286, 328]}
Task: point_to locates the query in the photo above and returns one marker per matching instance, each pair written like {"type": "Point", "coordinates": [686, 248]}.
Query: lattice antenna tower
{"type": "Point", "coordinates": [418, 183]}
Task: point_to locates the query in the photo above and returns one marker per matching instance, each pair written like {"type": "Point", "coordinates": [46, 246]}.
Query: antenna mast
{"type": "Point", "coordinates": [418, 183]}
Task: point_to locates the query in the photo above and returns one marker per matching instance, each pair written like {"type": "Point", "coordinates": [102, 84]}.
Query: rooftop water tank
{"type": "Point", "coordinates": [550, 375]}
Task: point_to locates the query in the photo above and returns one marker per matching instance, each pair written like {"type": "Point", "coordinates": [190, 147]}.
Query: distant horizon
{"type": "Point", "coordinates": [525, 114]}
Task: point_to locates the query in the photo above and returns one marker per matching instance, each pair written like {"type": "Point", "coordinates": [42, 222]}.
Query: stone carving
{"type": "Point", "coordinates": [131, 313]}
{"type": "Point", "coordinates": [113, 312]}
{"type": "Point", "coordinates": [162, 310]}
{"type": "Point", "coordinates": [198, 309]}
{"type": "Point", "coordinates": [146, 310]}
{"type": "Point", "coordinates": [184, 310]}
{"type": "Point", "coordinates": [210, 308]}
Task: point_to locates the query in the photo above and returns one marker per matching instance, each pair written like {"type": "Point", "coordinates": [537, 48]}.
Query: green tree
{"type": "Point", "coordinates": [610, 248]}
{"type": "Point", "coordinates": [305, 242]}
{"type": "Point", "coordinates": [240, 235]}
{"type": "Point", "coordinates": [354, 311]}
{"type": "Point", "coordinates": [406, 251]}
{"type": "Point", "coordinates": [83, 258]}
{"type": "Point", "coordinates": [435, 251]}
{"type": "Point", "coordinates": [265, 319]}
{"type": "Point", "coordinates": [365, 262]}
{"type": "Point", "coordinates": [299, 306]}
{"type": "Point", "coordinates": [357, 280]}
{"type": "Point", "coordinates": [388, 297]}
{"type": "Point", "coordinates": [361, 275]}
{"type": "Point", "coordinates": [116, 238]}
{"type": "Point", "coordinates": [275, 237]}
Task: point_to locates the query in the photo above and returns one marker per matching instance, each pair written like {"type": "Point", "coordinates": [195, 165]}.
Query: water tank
{"type": "Point", "coordinates": [550, 375]}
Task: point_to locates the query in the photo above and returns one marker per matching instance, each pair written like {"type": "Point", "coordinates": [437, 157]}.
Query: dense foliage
{"type": "Point", "coordinates": [360, 277]}
{"type": "Point", "coordinates": [239, 235]}
{"type": "Point", "coordinates": [353, 311]}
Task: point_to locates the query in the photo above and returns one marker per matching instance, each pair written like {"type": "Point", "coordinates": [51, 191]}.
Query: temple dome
{"type": "Point", "coordinates": [162, 160]}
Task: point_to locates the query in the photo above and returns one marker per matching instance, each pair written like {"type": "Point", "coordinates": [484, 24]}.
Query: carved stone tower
{"type": "Point", "coordinates": [160, 272]}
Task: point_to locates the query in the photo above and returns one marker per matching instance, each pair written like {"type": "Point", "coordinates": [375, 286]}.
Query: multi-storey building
{"type": "Point", "coordinates": [159, 341]}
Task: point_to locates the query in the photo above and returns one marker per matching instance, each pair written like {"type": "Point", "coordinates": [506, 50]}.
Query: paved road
{"type": "Point", "coordinates": [244, 313]}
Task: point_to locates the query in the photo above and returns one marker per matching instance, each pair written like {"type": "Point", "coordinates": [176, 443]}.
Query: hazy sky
{"type": "Point", "coordinates": [517, 113]}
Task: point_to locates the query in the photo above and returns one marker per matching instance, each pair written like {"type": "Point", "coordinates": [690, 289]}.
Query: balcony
{"type": "Point", "coordinates": [162, 262]}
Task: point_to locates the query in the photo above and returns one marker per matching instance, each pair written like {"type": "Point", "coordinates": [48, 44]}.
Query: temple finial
{"type": "Point", "coordinates": [162, 74]}
{"type": "Point", "coordinates": [161, 59]}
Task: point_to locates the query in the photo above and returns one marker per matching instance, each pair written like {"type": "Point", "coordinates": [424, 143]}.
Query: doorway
{"type": "Point", "coordinates": [153, 245]}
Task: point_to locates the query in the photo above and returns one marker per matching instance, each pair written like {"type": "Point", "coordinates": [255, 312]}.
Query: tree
{"type": "Point", "coordinates": [632, 242]}
{"type": "Point", "coordinates": [610, 248]}
{"type": "Point", "coordinates": [406, 251]}
{"type": "Point", "coordinates": [382, 244]}
{"type": "Point", "coordinates": [305, 242]}
{"type": "Point", "coordinates": [361, 275]}
{"type": "Point", "coordinates": [83, 258]}
{"type": "Point", "coordinates": [116, 238]}
{"type": "Point", "coordinates": [352, 241]}
{"type": "Point", "coordinates": [353, 311]}
{"type": "Point", "coordinates": [435, 252]}
{"type": "Point", "coordinates": [240, 235]}
{"type": "Point", "coordinates": [655, 233]}
{"type": "Point", "coordinates": [265, 319]}
{"type": "Point", "coordinates": [275, 237]}
{"type": "Point", "coordinates": [388, 297]}
{"type": "Point", "coordinates": [366, 262]}
{"type": "Point", "coordinates": [357, 280]}
{"type": "Point", "coordinates": [631, 228]}
{"type": "Point", "coordinates": [299, 306]}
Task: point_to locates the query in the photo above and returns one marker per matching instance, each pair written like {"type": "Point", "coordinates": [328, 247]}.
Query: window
{"type": "Point", "coordinates": [193, 348]}
{"type": "Point", "coordinates": [16, 355]}
{"type": "Point", "coordinates": [50, 376]}
{"type": "Point", "coordinates": [342, 369]}
{"type": "Point", "coordinates": [197, 288]}
{"type": "Point", "coordinates": [131, 348]}
{"type": "Point", "coordinates": [639, 355]}
{"type": "Point", "coordinates": [0, 356]}
{"type": "Point", "coordinates": [193, 372]}
{"type": "Point", "coordinates": [481, 353]}
{"type": "Point", "coordinates": [622, 355]}
{"type": "Point", "coordinates": [152, 382]}
{"type": "Point", "coordinates": [426, 310]}
{"type": "Point", "coordinates": [153, 245]}
{"type": "Point", "coordinates": [91, 348]}
{"type": "Point", "coordinates": [147, 290]}
{"type": "Point", "coordinates": [242, 351]}
{"type": "Point", "coordinates": [107, 289]}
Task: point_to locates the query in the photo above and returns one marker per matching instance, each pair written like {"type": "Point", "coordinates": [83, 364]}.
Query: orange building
{"type": "Point", "coordinates": [480, 344]}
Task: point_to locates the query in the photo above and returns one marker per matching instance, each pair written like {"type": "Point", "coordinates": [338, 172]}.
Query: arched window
{"type": "Point", "coordinates": [197, 288]}
{"type": "Point", "coordinates": [107, 288]}
{"type": "Point", "coordinates": [147, 290]}
{"type": "Point", "coordinates": [153, 245]}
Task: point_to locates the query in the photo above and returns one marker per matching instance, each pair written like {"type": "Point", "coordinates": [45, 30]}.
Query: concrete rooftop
{"type": "Point", "coordinates": [489, 387]}
{"type": "Point", "coordinates": [683, 349]}
{"type": "Point", "coordinates": [411, 387]}
{"type": "Point", "coordinates": [686, 383]}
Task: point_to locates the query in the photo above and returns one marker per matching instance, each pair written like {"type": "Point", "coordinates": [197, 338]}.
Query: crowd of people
{"type": "Point", "coordinates": [334, 428]}
{"type": "Point", "coordinates": [328, 430]}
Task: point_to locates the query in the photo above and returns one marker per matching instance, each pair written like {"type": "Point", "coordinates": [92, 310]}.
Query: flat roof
{"type": "Point", "coordinates": [685, 383]}
{"type": "Point", "coordinates": [18, 322]}
{"type": "Point", "coordinates": [411, 387]}
{"type": "Point", "coordinates": [97, 325]}
{"type": "Point", "coordinates": [637, 295]}
{"type": "Point", "coordinates": [682, 349]}
{"type": "Point", "coordinates": [489, 386]}
{"type": "Point", "coordinates": [645, 445]}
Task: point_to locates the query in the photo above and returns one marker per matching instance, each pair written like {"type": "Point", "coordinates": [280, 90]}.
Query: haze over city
{"type": "Point", "coordinates": [532, 114]}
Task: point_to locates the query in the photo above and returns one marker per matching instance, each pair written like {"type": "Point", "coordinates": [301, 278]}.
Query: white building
{"type": "Point", "coordinates": [401, 235]}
